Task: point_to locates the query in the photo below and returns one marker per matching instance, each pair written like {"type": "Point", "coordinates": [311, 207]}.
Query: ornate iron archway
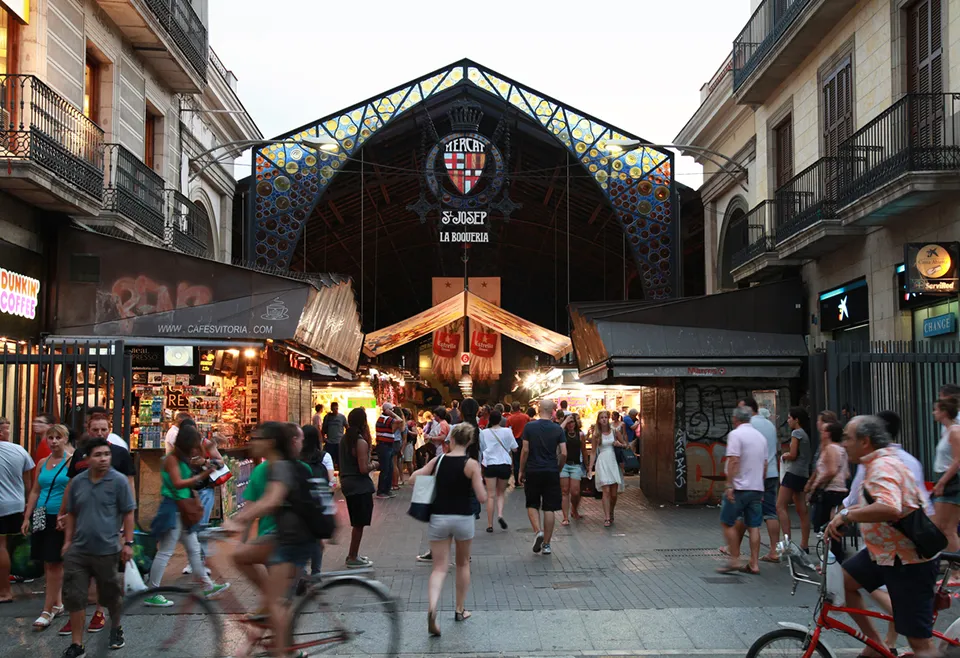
{"type": "Point", "coordinates": [291, 177]}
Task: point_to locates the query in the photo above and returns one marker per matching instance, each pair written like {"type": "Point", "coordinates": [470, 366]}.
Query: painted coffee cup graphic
{"type": "Point", "coordinates": [276, 310]}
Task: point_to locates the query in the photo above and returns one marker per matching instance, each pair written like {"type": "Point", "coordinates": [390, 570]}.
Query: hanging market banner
{"type": "Point", "coordinates": [484, 347]}
{"type": "Point", "coordinates": [523, 331]}
{"type": "Point", "coordinates": [421, 324]}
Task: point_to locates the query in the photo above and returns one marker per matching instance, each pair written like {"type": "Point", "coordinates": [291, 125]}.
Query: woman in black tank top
{"type": "Point", "coordinates": [458, 482]}
{"type": "Point", "coordinates": [572, 471]}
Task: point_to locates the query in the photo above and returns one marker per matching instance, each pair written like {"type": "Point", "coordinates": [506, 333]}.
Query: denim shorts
{"type": "Point", "coordinates": [770, 488]}
{"type": "Point", "coordinates": [572, 472]}
{"type": "Point", "coordinates": [295, 554]}
{"type": "Point", "coordinates": [747, 504]}
{"type": "Point", "coordinates": [910, 587]}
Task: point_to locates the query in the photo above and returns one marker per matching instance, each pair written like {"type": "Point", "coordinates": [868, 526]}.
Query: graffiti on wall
{"type": "Point", "coordinates": [137, 296]}
{"type": "Point", "coordinates": [704, 418]}
{"type": "Point", "coordinates": [680, 459]}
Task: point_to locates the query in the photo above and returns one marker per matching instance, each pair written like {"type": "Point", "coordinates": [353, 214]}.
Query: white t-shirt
{"type": "Point", "coordinates": [171, 438]}
{"type": "Point", "coordinates": [765, 427]}
{"type": "Point", "coordinates": [117, 441]}
{"type": "Point", "coordinates": [750, 446]}
{"type": "Point", "coordinates": [496, 444]}
{"type": "Point", "coordinates": [14, 462]}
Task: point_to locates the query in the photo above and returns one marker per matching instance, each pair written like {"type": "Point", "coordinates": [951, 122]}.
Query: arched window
{"type": "Point", "coordinates": [733, 238]}
{"type": "Point", "coordinates": [204, 234]}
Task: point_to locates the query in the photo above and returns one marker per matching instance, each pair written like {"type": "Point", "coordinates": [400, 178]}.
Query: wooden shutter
{"type": "Point", "coordinates": [783, 136]}
{"type": "Point", "coordinates": [837, 99]}
{"type": "Point", "coordinates": [925, 72]}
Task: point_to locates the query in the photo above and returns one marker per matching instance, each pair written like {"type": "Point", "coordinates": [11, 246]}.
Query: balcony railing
{"type": "Point", "coordinates": [920, 132]}
{"type": "Point", "coordinates": [186, 224]}
{"type": "Point", "coordinates": [759, 238]}
{"type": "Point", "coordinates": [218, 64]}
{"type": "Point", "coordinates": [133, 190]}
{"type": "Point", "coordinates": [807, 198]}
{"type": "Point", "coordinates": [182, 23]}
{"type": "Point", "coordinates": [39, 125]}
{"type": "Point", "coordinates": [763, 30]}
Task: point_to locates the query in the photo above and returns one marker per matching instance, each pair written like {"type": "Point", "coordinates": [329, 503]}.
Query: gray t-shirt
{"type": "Point", "coordinates": [291, 530]}
{"type": "Point", "coordinates": [769, 432]}
{"type": "Point", "coordinates": [14, 462]}
{"type": "Point", "coordinates": [99, 508]}
{"type": "Point", "coordinates": [333, 426]}
{"type": "Point", "coordinates": [801, 465]}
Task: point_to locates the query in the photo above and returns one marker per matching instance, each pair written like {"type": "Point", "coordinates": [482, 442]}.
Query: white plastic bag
{"type": "Point", "coordinates": [835, 580]}
{"type": "Point", "coordinates": [132, 581]}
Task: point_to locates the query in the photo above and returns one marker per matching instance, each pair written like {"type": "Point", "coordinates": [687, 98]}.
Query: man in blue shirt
{"type": "Point", "coordinates": [540, 472]}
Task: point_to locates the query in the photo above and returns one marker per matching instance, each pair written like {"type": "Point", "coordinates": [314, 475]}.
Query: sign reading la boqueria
{"type": "Point", "coordinates": [931, 268]}
{"type": "Point", "coordinates": [465, 173]}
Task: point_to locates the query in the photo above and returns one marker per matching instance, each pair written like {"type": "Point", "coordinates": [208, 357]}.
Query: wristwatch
{"type": "Point", "coordinates": [128, 543]}
{"type": "Point", "coordinates": [844, 513]}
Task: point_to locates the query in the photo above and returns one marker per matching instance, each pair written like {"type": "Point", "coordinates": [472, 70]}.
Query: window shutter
{"type": "Point", "coordinates": [784, 146]}
{"type": "Point", "coordinates": [925, 72]}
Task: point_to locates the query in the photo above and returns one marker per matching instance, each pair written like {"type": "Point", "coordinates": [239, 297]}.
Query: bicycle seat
{"type": "Point", "coordinates": [950, 557]}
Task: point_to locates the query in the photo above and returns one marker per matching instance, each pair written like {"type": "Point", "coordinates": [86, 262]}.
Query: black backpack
{"type": "Point", "coordinates": [312, 501]}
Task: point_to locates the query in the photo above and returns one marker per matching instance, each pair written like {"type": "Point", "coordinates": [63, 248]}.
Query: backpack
{"type": "Point", "coordinates": [312, 501]}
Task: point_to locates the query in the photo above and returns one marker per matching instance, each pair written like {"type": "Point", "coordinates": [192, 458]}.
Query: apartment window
{"type": "Point", "coordinates": [149, 140]}
{"type": "Point", "coordinates": [783, 152]}
{"type": "Point", "coordinates": [91, 89]}
{"type": "Point", "coordinates": [9, 42]}
{"type": "Point", "coordinates": [925, 72]}
{"type": "Point", "coordinates": [837, 100]}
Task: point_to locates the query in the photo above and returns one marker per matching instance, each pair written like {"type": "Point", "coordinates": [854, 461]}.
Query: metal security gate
{"type": "Point", "coordinates": [901, 376]}
{"type": "Point", "coordinates": [64, 380]}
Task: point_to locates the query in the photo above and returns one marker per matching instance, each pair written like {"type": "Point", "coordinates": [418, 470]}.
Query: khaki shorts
{"type": "Point", "coordinates": [79, 568]}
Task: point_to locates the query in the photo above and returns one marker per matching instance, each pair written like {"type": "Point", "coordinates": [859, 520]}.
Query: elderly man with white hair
{"type": "Point", "coordinates": [387, 425]}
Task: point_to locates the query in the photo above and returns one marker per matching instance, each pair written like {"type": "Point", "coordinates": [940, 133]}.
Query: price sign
{"type": "Point", "coordinates": [176, 399]}
{"type": "Point", "coordinates": [465, 358]}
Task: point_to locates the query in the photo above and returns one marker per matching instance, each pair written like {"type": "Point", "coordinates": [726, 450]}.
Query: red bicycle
{"type": "Point", "coordinates": [797, 641]}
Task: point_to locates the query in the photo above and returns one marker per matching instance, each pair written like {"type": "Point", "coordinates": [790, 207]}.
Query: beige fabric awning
{"type": "Point", "coordinates": [508, 324]}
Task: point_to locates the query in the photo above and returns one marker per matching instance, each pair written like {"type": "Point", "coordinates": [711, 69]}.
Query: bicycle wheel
{"type": "Point", "coordinates": [189, 626]}
{"type": "Point", "coordinates": [347, 610]}
{"type": "Point", "coordinates": [785, 643]}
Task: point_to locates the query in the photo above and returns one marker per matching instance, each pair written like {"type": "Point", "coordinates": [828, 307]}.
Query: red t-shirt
{"type": "Point", "coordinates": [516, 422]}
{"type": "Point", "coordinates": [42, 451]}
{"type": "Point", "coordinates": [482, 423]}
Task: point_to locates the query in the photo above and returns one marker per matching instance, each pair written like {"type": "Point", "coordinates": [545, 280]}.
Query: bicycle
{"type": "Point", "coordinates": [803, 642]}
{"type": "Point", "coordinates": [337, 608]}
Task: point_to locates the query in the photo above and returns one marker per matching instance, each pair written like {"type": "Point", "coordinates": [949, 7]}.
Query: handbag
{"type": "Point", "coordinates": [424, 493]}
{"type": "Point", "coordinates": [39, 517]}
{"type": "Point", "coordinates": [918, 528]}
{"type": "Point", "coordinates": [631, 463]}
{"type": "Point", "coordinates": [191, 511]}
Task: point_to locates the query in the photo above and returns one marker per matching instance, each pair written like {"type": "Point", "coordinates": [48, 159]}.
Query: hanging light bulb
{"type": "Point", "coordinates": [466, 385]}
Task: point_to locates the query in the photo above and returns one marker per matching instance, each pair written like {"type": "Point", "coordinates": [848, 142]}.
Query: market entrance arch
{"type": "Point", "coordinates": [586, 215]}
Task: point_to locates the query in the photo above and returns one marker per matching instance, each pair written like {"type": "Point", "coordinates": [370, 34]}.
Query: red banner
{"type": "Point", "coordinates": [483, 344]}
{"type": "Point", "coordinates": [446, 343]}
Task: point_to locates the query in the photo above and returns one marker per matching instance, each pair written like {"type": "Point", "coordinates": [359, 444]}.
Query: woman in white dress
{"type": "Point", "coordinates": [603, 464]}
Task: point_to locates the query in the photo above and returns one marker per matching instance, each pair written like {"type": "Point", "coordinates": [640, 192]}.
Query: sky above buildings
{"type": "Point", "coordinates": [638, 64]}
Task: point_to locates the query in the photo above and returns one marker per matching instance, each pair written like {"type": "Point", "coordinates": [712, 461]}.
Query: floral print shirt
{"type": "Point", "coordinates": [889, 482]}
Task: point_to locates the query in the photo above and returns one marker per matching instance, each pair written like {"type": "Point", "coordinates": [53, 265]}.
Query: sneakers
{"type": "Point", "coordinates": [97, 622]}
{"type": "Point", "coordinates": [74, 651]}
{"type": "Point", "coordinates": [387, 495]}
{"type": "Point", "coordinates": [215, 590]}
{"type": "Point", "coordinates": [538, 543]}
{"type": "Point", "coordinates": [547, 550]}
{"type": "Point", "coordinates": [503, 524]}
{"type": "Point", "coordinates": [359, 562]}
{"type": "Point", "coordinates": [426, 557]}
{"type": "Point", "coordinates": [66, 630]}
{"type": "Point", "coordinates": [187, 570]}
{"type": "Point", "coordinates": [116, 638]}
{"type": "Point", "coordinates": [157, 601]}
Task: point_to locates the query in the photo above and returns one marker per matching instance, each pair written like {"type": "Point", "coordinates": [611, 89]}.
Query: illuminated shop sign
{"type": "Point", "coordinates": [19, 294]}
{"type": "Point", "coordinates": [932, 268]}
{"type": "Point", "coordinates": [844, 307]}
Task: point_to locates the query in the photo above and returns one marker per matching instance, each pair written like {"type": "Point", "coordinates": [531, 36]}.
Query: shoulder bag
{"type": "Point", "coordinates": [918, 528]}
{"type": "Point", "coordinates": [424, 493]}
{"type": "Point", "coordinates": [39, 518]}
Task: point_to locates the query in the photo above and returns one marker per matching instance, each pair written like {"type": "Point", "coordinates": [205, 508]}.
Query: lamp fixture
{"type": "Point", "coordinates": [618, 146]}
{"type": "Point", "coordinates": [322, 143]}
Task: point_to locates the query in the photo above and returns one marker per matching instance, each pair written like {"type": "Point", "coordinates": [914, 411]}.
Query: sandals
{"type": "Point", "coordinates": [771, 559]}
{"type": "Point", "coordinates": [730, 569]}
{"type": "Point", "coordinates": [747, 570]}
{"type": "Point", "coordinates": [490, 528]}
{"type": "Point", "coordinates": [463, 615]}
{"type": "Point", "coordinates": [43, 621]}
{"type": "Point", "coordinates": [564, 522]}
{"type": "Point", "coordinates": [606, 523]}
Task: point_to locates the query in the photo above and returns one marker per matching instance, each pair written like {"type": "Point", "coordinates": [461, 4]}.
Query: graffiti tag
{"type": "Point", "coordinates": [680, 459]}
{"type": "Point", "coordinates": [135, 297]}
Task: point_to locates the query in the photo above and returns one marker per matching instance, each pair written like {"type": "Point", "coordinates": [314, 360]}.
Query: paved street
{"type": "Point", "coordinates": [645, 587]}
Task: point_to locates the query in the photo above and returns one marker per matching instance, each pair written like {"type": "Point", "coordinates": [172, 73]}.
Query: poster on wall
{"type": "Point", "coordinates": [484, 341]}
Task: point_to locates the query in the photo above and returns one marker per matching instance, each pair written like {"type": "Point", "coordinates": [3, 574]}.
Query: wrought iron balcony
{"type": "Point", "coordinates": [759, 238]}
{"type": "Point", "coordinates": [184, 26]}
{"type": "Point", "coordinates": [40, 126]}
{"type": "Point", "coordinates": [763, 30]}
{"type": "Point", "coordinates": [918, 133]}
{"type": "Point", "coordinates": [187, 223]}
{"type": "Point", "coordinates": [133, 190]}
{"type": "Point", "coordinates": [809, 197]}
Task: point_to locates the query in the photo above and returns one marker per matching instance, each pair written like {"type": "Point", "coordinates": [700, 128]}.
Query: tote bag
{"type": "Point", "coordinates": [424, 493]}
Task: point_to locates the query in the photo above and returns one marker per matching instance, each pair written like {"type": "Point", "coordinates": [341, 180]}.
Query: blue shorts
{"type": "Point", "coordinates": [295, 554]}
{"type": "Point", "coordinates": [747, 504]}
{"type": "Point", "coordinates": [770, 488]}
{"type": "Point", "coordinates": [572, 472]}
{"type": "Point", "coordinates": [911, 589]}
